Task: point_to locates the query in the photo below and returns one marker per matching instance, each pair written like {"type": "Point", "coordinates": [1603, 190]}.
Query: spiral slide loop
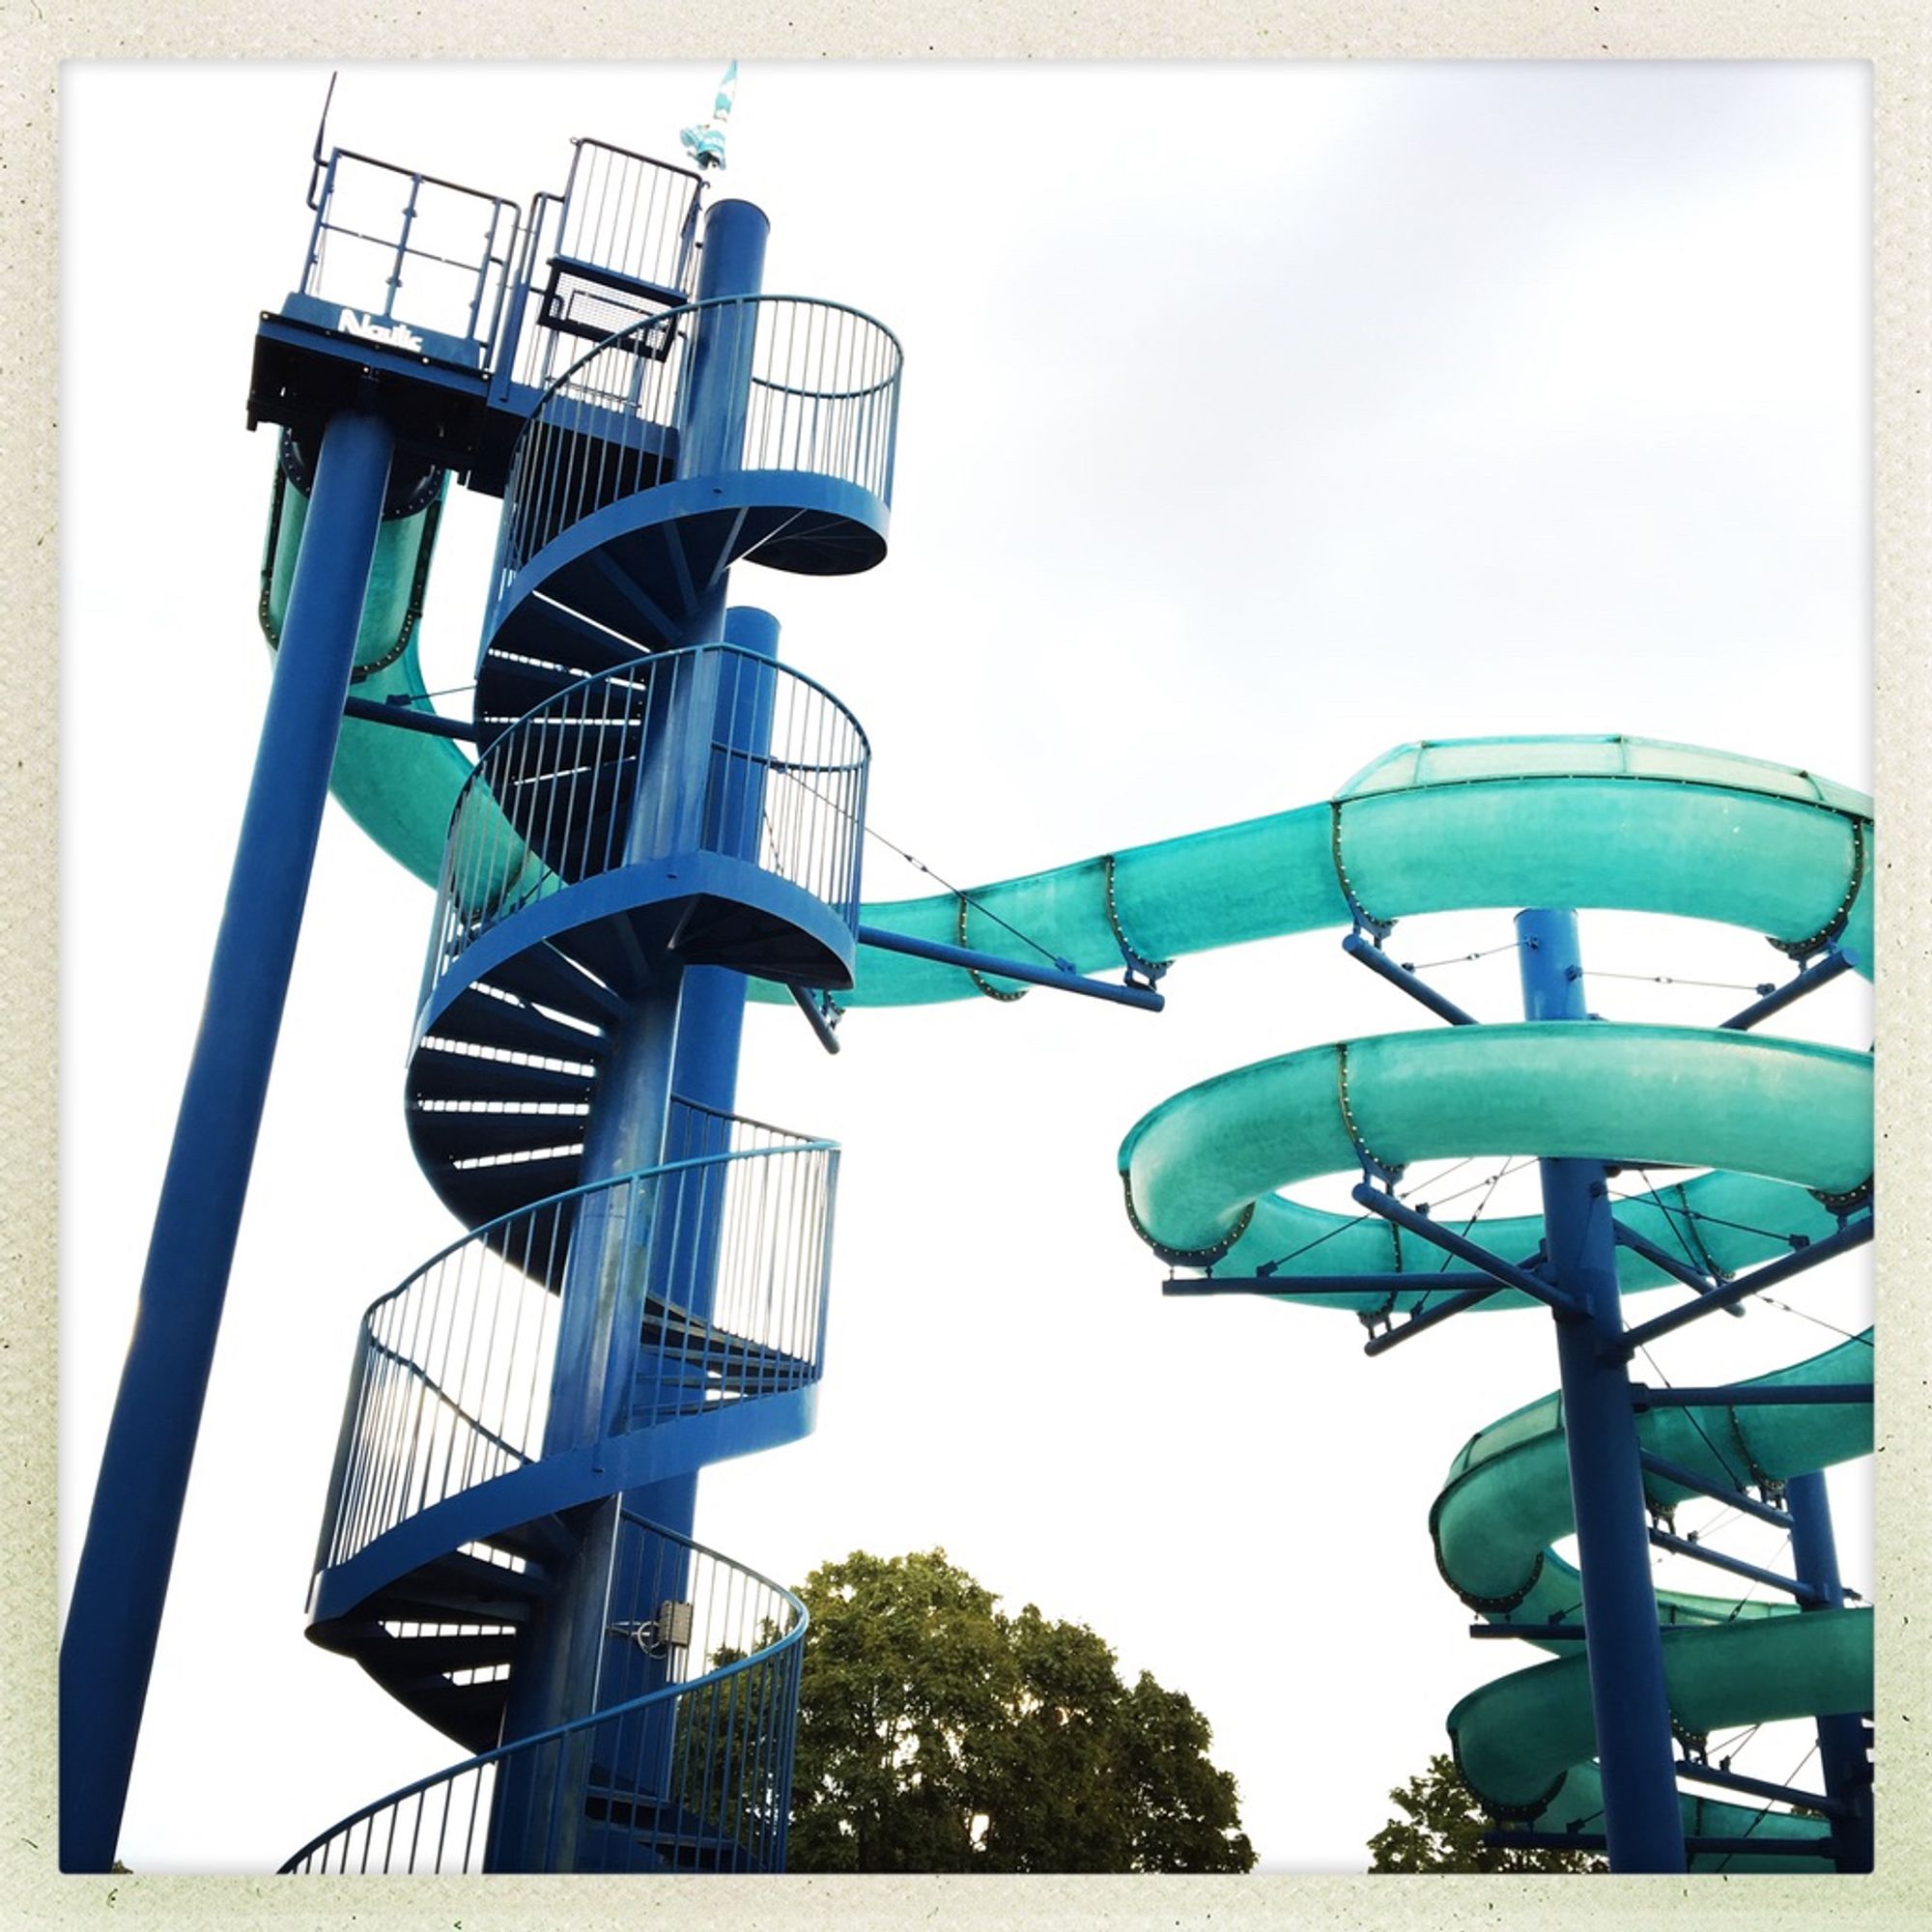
{"type": "Point", "coordinates": [1784, 1126]}
{"type": "Point", "coordinates": [649, 799]}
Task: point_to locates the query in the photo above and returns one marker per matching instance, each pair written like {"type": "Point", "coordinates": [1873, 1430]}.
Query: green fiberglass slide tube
{"type": "Point", "coordinates": [400, 786]}
{"type": "Point", "coordinates": [1783, 1128]}
{"type": "Point", "coordinates": [1524, 1742]}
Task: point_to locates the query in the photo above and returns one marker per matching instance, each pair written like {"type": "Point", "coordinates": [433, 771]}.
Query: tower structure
{"type": "Point", "coordinates": [658, 809]}
{"type": "Point", "coordinates": [660, 814]}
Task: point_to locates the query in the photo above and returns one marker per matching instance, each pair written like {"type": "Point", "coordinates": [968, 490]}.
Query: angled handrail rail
{"type": "Point", "coordinates": [627, 767]}
{"type": "Point", "coordinates": [758, 1618]}
{"type": "Point", "coordinates": [449, 1388]}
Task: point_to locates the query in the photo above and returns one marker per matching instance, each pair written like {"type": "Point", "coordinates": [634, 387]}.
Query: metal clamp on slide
{"type": "Point", "coordinates": [1377, 929]}
{"type": "Point", "coordinates": [1373, 1167]}
{"type": "Point", "coordinates": [1148, 971]}
{"type": "Point", "coordinates": [979, 979]}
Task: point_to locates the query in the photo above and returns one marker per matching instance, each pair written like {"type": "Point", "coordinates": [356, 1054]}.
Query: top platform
{"type": "Point", "coordinates": [452, 310]}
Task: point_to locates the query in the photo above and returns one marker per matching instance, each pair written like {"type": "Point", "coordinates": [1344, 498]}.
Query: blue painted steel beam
{"type": "Point", "coordinates": [1684, 1547]}
{"type": "Point", "coordinates": [1144, 997]}
{"type": "Point", "coordinates": [820, 1025]}
{"type": "Point", "coordinates": [1533, 1633]}
{"type": "Point", "coordinates": [108, 1649]}
{"type": "Point", "coordinates": [1644, 1827]}
{"type": "Point", "coordinates": [1841, 1734]}
{"type": "Point", "coordinates": [1378, 962]}
{"type": "Point", "coordinates": [1852, 1234]}
{"type": "Point", "coordinates": [1506, 1273]}
{"type": "Point", "coordinates": [1429, 1318]}
{"type": "Point", "coordinates": [1823, 974]}
{"type": "Point", "coordinates": [390, 712]}
{"type": "Point", "coordinates": [1291, 1284]}
{"type": "Point", "coordinates": [1744, 1395]}
{"type": "Point", "coordinates": [1757, 1787]}
{"type": "Point", "coordinates": [1689, 1479]}
{"type": "Point", "coordinates": [1664, 1259]}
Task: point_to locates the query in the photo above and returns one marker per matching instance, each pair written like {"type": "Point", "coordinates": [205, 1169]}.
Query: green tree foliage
{"type": "Point", "coordinates": [936, 1733]}
{"type": "Point", "coordinates": [1442, 1831]}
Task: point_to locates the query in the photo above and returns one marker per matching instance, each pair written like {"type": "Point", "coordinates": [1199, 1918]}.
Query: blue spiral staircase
{"type": "Point", "coordinates": [644, 1289]}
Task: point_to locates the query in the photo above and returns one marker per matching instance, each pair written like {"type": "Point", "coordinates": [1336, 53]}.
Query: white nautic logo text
{"type": "Point", "coordinates": [397, 334]}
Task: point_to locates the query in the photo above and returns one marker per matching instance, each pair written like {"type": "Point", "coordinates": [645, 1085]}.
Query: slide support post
{"type": "Point", "coordinates": [1641, 1819]}
{"type": "Point", "coordinates": [1841, 1734]}
{"type": "Point", "coordinates": [114, 1620]}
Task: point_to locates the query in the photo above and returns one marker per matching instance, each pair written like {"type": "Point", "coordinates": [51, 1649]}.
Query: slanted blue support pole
{"type": "Point", "coordinates": [1841, 1734]}
{"type": "Point", "coordinates": [108, 1649]}
{"type": "Point", "coordinates": [1641, 1819]}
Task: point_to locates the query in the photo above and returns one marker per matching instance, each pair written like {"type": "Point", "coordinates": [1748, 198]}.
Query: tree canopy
{"type": "Point", "coordinates": [1442, 1831]}
{"type": "Point", "coordinates": [938, 1734]}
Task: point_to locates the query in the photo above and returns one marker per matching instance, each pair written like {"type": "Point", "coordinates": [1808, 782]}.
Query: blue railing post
{"type": "Point", "coordinates": [108, 1649]}
{"type": "Point", "coordinates": [1842, 1736]}
{"type": "Point", "coordinates": [1642, 1818]}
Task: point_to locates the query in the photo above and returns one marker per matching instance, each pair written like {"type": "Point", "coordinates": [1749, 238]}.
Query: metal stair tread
{"type": "Point", "coordinates": [475, 1018]}
{"type": "Point", "coordinates": [457, 1587]}
{"type": "Point", "coordinates": [439, 1073]}
{"type": "Point", "coordinates": [481, 1136]}
{"type": "Point", "coordinates": [480, 1194]}
{"type": "Point", "coordinates": [403, 1659]}
{"type": "Point", "coordinates": [544, 1538]}
{"type": "Point", "coordinates": [545, 976]}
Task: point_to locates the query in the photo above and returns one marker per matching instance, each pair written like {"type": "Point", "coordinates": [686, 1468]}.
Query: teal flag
{"type": "Point", "coordinates": [706, 143]}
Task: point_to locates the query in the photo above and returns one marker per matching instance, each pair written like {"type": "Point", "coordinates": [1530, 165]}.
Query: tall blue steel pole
{"type": "Point", "coordinates": [711, 1020]}
{"type": "Point", "coordinates": [684, 1027]}
{"type": "Point", "coordinates": [1624, 1649]}
{"type": "Point", "coordinates": [114, 1620]}
{"type": "Point", "coordinates": [1841, 1734]}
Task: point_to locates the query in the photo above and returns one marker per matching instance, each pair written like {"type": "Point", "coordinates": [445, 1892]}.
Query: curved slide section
{"type": "Point", "coordinates": [1785, 1127]}
{"type": "Point", "coordinates": [399, 786]}
{"type": "Point", "coordinates": [1524, 1742]}
{"type": "Point", "coordinates": [1616, 823]}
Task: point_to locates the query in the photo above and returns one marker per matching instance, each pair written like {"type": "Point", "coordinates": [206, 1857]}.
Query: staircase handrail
{"type": "Point", "coordinates": [790, 1639]}
{"type": "Point", "coordinates": [360, 1435]}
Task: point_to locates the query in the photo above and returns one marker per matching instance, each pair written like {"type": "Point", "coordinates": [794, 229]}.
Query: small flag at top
{"type": "Point", "coordinates": [706, 143]}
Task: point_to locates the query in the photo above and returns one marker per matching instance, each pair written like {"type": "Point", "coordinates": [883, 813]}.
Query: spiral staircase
{"type": "Point", "coordinates": [649, 798]}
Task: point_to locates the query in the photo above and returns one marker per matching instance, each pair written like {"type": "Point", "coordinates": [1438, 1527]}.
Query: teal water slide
{"type": "Point", "coordinates": [1781, 1128]}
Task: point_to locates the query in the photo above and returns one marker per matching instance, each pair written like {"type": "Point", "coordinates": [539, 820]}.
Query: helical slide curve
{"type": "Point", "coordinates": [447, 1505]}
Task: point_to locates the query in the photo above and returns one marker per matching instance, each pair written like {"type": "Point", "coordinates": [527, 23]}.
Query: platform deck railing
{"type": "Point", "coordinates": [820, 396]}
{"type": "Point", "coordinates": [404, 246]}
{"type": "Point", "coordinates": [627, 766]}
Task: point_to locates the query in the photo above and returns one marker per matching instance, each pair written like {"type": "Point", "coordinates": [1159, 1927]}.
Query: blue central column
{"type": "Point", "coordinates": [732, 263]}
{"type": "Point", "coordinates": [1624, 1649]}
{"type": "Point", "coordinates": [681, 1034]}
{"type": "Point", "coordinates": [1841, 1734]}
{"type": "Point", "coordinates": [114, 1620]}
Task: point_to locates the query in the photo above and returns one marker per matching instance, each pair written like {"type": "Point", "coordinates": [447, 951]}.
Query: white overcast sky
{"type": "Point", "coordinates": [1255, 421]}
